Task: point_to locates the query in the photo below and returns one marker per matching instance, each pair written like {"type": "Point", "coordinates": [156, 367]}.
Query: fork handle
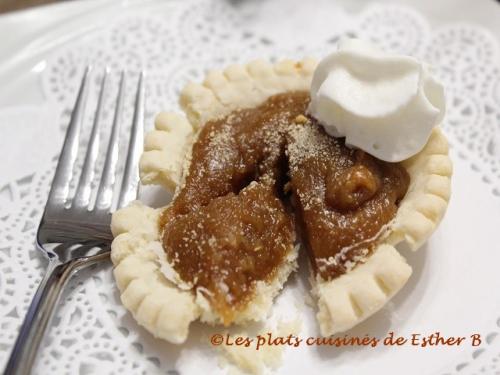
{"type": "Point", "coordinates": [38, 316]}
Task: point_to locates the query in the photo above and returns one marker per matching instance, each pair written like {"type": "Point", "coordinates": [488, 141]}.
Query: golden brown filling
{"type": "Point", "coordinates": [342, 197]}
{"type": "Point", "coordinates": [230, 225]}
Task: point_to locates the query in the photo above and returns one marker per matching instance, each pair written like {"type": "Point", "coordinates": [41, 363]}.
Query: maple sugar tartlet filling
{"type": "Point", "coordinates": [255, 176]}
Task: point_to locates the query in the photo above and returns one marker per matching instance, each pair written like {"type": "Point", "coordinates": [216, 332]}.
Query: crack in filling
{"type": "Point", "coordinates": [258, 175]}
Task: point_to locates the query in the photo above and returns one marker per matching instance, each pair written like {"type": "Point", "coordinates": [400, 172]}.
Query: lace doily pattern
{"type": "Point", "coordinates": [175, 44]}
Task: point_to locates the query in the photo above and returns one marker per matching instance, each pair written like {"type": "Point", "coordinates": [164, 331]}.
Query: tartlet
{"type": "Point", "coordinates": [165, 302]}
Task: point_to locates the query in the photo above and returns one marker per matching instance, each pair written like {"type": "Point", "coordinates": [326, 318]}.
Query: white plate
{"type": "Point", "coordinates": [454, 288]}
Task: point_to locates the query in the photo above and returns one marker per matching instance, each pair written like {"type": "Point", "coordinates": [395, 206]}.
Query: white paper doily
{"type": "Point", "coordinates": [176, 41]}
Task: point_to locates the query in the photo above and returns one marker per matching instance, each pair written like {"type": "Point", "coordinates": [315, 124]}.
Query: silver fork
{"type": "Point", "coordinates": [72, 233]}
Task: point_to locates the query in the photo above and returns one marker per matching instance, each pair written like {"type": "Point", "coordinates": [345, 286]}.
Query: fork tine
{"type": "Point", "coordinates": [104, 197]}
{"type": "Point", "coordinates": [130, 181]}
{"type": "Point", "coordinates": [60, 183]}
{"type": "Point", "coordinates": [83, 190]}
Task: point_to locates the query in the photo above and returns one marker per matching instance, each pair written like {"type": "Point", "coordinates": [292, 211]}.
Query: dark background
{"type": "Point", "coordinates": [8, 5]}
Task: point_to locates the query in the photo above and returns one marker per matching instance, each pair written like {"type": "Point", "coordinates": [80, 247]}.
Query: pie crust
{"type": "Point", "coordinates": [150, 288]}
{"type": "Point", "coordinates": [153, 292]}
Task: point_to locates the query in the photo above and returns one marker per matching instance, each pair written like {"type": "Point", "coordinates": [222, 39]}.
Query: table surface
{"type": "Point", "coordinates": [12, 5]}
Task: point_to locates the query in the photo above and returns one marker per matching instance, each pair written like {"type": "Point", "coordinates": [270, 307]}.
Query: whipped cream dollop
{"type": "Point", "coordinates": [384, 104]}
